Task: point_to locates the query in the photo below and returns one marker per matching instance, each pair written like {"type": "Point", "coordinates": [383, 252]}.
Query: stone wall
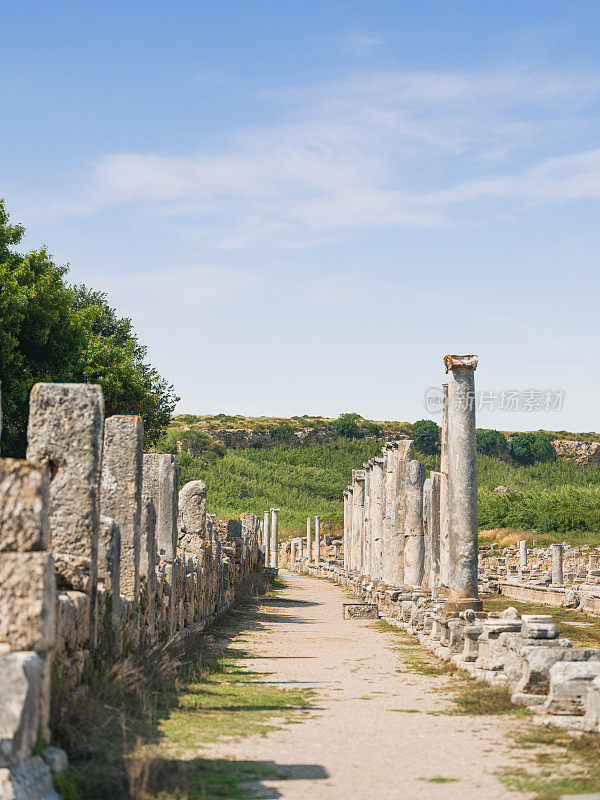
{"type": "Point", "coordinates": [98, 549]}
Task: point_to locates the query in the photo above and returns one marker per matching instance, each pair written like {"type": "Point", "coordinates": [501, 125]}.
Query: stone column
{"type": "Point", "coordinates": [557, 565]}
{"type": "Point", "coordinates": [426, 533]}
{"type": "Point", "coordinates": [292, 553]}
{"type": "Point", "coordinates": [274, 548]}
{"type": "Point", "coordinates": [377, 516]}
{"type": "Point", "coordinates": [366, 553]}
{"type": "Point", "coordinates": [462, 483]}
{"type": "Point", "coordinates": [346, 515]}
{"type": "Point", "coordinates": [406, 452]}
{"type": "Point", "coordinates": [523, 553]}
{"type": "Point", "coordinates": [434, 532]}
{"type": "Point", "coordinates": [413, 529]}
{"type": "Point", "coordinates": [109, 574]}
{"type": "Point", "coordinates": [122, 494]}
{"type": "Point", "coordinates": [148, 562]}
{"type": "Point", "coordinates": [391, 462]}
{"type": "Point", "coordinates": [445, 556]}
{"type": "Point", "coordinates": [267, 537]}
{"type": "Point", "coordinates": [317, 540]}
{"type": "Point", "coordinates": [191, 525]}
{"type": "Point", "coordinates": [65, 432]}
{"type": "Point", "coordinates": [358, 510]}
{"type": "Point", "coordinates": [299, 547]}
{"type": "Point", "coordinates": [308, 540]}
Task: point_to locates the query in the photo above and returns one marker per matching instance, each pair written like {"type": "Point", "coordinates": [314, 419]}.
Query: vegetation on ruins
{"type": "Point", "coordinates": [52, 331]}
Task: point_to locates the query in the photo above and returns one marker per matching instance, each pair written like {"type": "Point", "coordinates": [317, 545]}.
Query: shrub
{"type": "Point", "coordinates": [491, 442]}
{"type": "Point", "coordinates": [347, 426]}
{"type": "Point", "coordinates": [425, 434]}
{"type": "Point", "coordinates": [373, 429]}
{"type": "Point", "coordinates": [527, 448]}
{"type": "Point", "coordinates": [542, 448]}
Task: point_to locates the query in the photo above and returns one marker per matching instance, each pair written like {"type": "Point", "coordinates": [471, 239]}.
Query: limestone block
{"type": "Point", "coordinates": [148, 559]}
{"type": "Point", "coordinates": [31, 780]}
{"type": "Point", "coordinates": [27, 601]}
{"type": "Point", "coordinates": [56, 758]}
{"type": "Point", "coordinates": [109, 554]}
{"type": "Point", "coordinates": [73, 630]}
{"type": "Point", "coordinates": [570, 683]}
{"type": "Point", "coordinates": [24, 506]}
{"type": "Point", "coordinates": [122, 493]}
{"type": "Point", "coordinates": [192, 515]}
{"type": "Point", "coordinates": [20, 687]}
{"type": "Point", "coordinates": [161, 484]}
{"type": "Point", "coordinates": [539, 626]}
{"type": "Point", "coordinates": [65, 432]}
{"type": "Point", "coordinates": [537, 662]}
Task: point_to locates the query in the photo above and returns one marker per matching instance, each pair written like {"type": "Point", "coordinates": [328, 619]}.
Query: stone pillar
{"type": "Point", "coordinates": [523, 553]}
{"type": "Point", "coordinates": [433, 532]}
{"type": "Point", "coordinates": [406, 452]}
{"type": "Point", "coordinates": [592, 563]}
{"type": "Point", "coordinates": [366, 553]}
{"type": "Point", "coordinates": [462, 483]}
{"type": "Point", "coordinates": [426, 533]}
{"type": "Point", "coordinates": [191, 524]}
{"type": "Point", "coordinates": [346, 514]}
{"type": "Point", "coordinates": [377, 516]}
{"type": "Point", "coordinates": [317, 540]}
{"type": "Point", "coordinates": [391, 463]}
{"type": "Point", "coordinates": [274, 548]}
{"type": "Point", "coordinates": [161, 483]}
{"type": "Point", "coordinates": [292, 553]}
{"type": "Point", "coordinates": [358, 510]}
{"type": "Point", "coordinates": [109, 574]}
{"type": "Point", "coordinates": [413, 529]}
{"type": "Point", "coordinates": [65, 432]}
{"type": "Point", "coordinates": [148, 562]}
{"type": "Point", "coordinates": [557, 565]}
{"type": "Point", "coordinates": [308, 540]}
{"type": "Point", "coordinates": [445, 556]}
{"type": "Point", "coordinates": [266, 542]}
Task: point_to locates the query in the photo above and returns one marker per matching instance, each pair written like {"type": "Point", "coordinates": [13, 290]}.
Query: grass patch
{"type": "Point", "coordinates": [439, 779]}
{"type": "Point", "coordinates": [133, 729]}
{"type": "Point", "coordinates": [566, 764]}
{"type": "Point", "coordinates": [479, 698]}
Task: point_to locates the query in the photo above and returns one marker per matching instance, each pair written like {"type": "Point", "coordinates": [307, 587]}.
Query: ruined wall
{"type": "Point", "coordinates": [98, 549]}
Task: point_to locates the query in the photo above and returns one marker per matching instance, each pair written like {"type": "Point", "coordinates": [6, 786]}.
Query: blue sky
{"type": "Point", "coordinates": [304, 205]}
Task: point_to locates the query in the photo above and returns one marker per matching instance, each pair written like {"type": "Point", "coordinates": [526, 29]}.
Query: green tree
{"type": "Point", "coordinates": [527, 448]}
{"type": "Point", "coordinates": [542, 448]}
{"type": "Point", "coordinates": [425, 434]}
{"type": "Point", "coordinates": [372, 429]}
{"type": "Point", "coordinates": [50, 331]}
{"type": "Point", "coordinates": [491, 442]}
{"type": "Point", "coordinates": [347, 425]}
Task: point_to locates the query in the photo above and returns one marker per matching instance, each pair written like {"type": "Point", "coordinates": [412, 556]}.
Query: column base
{"type": "Point", "coordinates": [453, 606]}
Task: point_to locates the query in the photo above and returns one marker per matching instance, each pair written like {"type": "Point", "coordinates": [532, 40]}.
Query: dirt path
{"type": "Point", "coordinates": [361, 740]}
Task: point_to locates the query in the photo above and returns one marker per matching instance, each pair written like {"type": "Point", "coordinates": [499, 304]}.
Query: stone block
{"type": "Point", "coordinates": [109, 554]}
{"type": "Point", "coordinates": [56, 758]}
{"type": "Point", "coordinates": [27, 601]}
{"type": "Point", "coordinates": [570, 683]}
{"type": "Point", "coordinates": [31, 780]}
{"type": "Point", "coordinates": [24, 506]}
{"type": "Point", "coordinates": [360, 611]}
{"type": "Point", "coordinates": [73, 623]}
{"type": "Point", "coordinates": [122, 493]}
{"type": "Point", "coordinates": [20, 687]}
{"type": "Point", "coordinates": [65, 433]}
{"type": "Point", "coordinates": [539, 626]}
{"type": "Point", "coordinates": [148, 560]}
{"type": "Point", "coordinates": [161, 484]}
{"type": "Point", "coordinates": [192, 515]}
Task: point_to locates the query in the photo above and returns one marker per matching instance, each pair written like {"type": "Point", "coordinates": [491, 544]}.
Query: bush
{"type": "Point", "coordinates": [425, 434]}
{"type": "Point", "coordinates": [529, 448]}
{"type": "Point", "coordinates": [347, 426]}
{"type": "Point", "coordinates": [373, 429]}
{"type": "Point", "coordinates": [491, 442]}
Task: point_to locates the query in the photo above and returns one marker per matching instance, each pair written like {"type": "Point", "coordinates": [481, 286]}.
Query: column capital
{"type": "Point", "coordinates": [460, 362]}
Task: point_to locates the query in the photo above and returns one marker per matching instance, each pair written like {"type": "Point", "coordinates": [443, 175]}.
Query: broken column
{"type": "Point", "coordinates": [523, 553]}
{"type": "Point", "coordinates": [292, 553]}
{"type": "Point", "coordinates": [317, 540]}
{"type": "Point", "coordinates": [413, 528]}
{"type": "Point", "coordinates": [274, 538]}
{"type": "Point", "coordinates": [266, 540]}
{"type": "Point", "coordinates": [65, 433]}
{"type": "Point", "coordinates": [358, 508]}
{"type": "Point", "coordinates": [191, 523]}
{"type": "Point", "coordinates": [433, 532]}
{"type": "Point", "coordinates": [462, 483]}
{"type": "Point", "coordinates": [308, 555]}
{"type": "Point", "coordinates": [557, 564]}
{"type": "Point", "coordinates": [445, 557]}
{"type": "Point", "coordinates": [406, 452]}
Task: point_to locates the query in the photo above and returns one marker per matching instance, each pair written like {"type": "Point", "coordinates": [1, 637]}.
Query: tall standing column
{"type": "Point", "coordinates": [266, 542]}
{"type": "Point", "coordinates": [274, 548]}
{"type": "Point", "coordinates": [292, 553]}
{"type": "Point", "coordinates": [366, 554]}
{"type": "Point", "coordinates": [557, 564]}
{"type": "Point", "coordinates": [377, 517]}
{"type": "Point", "coordinates": [317, 540]}
{"type": "Point", "coordinates": [391, 459]}
{"type": "Point", "coordinates": [426, 532]}
{"type": "Point", "coordinates": [462, 483]}
{"type": "Point", "coordinates": [358, 510]}
{"type": "Point", "coordinates": [523, 553]}
{"type": "Point", "coordinates": [308, 540]}
{"type": "Point", "coordinates": [445, 556]}
{"type": "Point", "coordinates": [434, 533]}
{"type": "Point", "coordinates": [413, 529]}
{"type": "Point", "coordinates": [346, 525]}
{"type": "Point", "coordinates": [406, 453]}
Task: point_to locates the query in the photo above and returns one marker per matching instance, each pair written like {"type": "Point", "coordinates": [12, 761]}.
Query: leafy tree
{"type": "Point", "coordinates": [491, 442]}
{"type": "Point", "coordinates": [373, 429]}
{"type": "Point", "coordinates": [542, 448]}
{"type": "Point", "coordinates": [50, 331]}
{"type": "Point", "coordinates": [527, 448]}
{"type": "Point", "coordinates": [347, 426]}
{"type": "Point", "coordinates": [425, 434]}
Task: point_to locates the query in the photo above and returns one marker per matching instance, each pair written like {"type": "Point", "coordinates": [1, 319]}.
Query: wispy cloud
{"type": "Point", "coordinates": [378, 149]}
{"type": "Point", "coordinates": [360, 43]}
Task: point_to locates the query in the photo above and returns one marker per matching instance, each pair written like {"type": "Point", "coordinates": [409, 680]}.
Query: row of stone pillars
{"type": "Point", "coordinates": [270, 537]}
{"type": "Point", "coordinates": [404, 530]}
{"type": "Point", "coordinates": [308, 547]}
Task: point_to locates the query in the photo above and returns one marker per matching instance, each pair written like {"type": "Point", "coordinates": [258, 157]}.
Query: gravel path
{"type": "Point", "coordinates": [362, 741]}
